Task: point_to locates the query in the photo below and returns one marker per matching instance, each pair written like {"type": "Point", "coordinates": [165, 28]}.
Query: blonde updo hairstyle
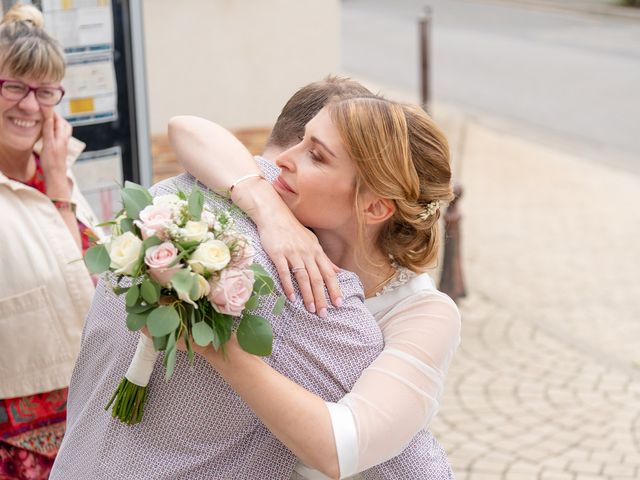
{"type": "Point", "coordinates": [401, 155]}
{"type": "Point", "coordinates": [26, 49]}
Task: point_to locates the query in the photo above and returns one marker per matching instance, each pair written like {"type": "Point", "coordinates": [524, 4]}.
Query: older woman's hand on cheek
{"type": "Point", "coordinates": [56, 132]}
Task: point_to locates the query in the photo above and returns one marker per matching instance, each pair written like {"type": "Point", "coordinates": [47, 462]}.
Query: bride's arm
{"type": "Point", "coordinates": [394, 398]}
{"type": "Point", "coordinates": [218, 159]}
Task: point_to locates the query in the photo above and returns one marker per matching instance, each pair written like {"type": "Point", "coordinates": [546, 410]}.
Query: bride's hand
{"type": "Point", "coordinates": [295, 250]}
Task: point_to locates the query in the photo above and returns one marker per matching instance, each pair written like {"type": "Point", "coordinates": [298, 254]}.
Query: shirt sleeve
{"type": "Point", "coordinates": [399, 393]}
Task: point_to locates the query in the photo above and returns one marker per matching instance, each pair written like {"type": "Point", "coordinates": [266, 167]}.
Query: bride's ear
{"type": "Point", "coordinates": [378, 210]}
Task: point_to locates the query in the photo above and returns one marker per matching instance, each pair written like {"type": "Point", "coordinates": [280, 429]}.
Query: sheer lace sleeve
{"type": "Point", "coordinates": [400, 392]}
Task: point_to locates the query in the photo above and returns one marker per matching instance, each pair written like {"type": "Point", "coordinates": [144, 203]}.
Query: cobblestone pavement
{"type": "Point", "coordinates": [546, 384]}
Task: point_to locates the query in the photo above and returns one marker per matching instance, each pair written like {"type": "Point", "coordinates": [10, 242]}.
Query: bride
{"type": "Point", "coordinates": [367, 177]}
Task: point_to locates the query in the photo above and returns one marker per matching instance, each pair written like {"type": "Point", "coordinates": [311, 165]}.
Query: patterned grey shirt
{"type": "Point", "coordinates": [195, 426]}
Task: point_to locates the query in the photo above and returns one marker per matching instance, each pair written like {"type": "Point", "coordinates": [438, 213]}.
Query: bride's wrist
{"type": "Point", "coordinates": [257, 198]}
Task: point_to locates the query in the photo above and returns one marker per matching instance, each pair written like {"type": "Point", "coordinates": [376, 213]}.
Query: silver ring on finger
{"type": "Point", "coordinates": [297, 269]}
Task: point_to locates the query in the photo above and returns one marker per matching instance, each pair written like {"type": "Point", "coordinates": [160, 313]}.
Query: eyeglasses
{"type": "Point", "coordinates": [16, 91]}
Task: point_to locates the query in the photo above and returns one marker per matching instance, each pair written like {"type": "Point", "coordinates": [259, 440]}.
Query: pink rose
{"type": "Point", "coordinates": [243, 253]}
{"type": "Point", "coordinates": [158, 260]}
{"type": "Point", "coordinates": [155, 220]}
{"type": "Point", "coordinates": [231, 291]}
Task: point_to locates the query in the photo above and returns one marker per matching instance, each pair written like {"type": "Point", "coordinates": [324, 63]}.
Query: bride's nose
{"type": "Point", "coordinates": [286, 160]}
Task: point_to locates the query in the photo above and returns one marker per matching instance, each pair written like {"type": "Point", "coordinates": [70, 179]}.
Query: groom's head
{"type": "Point", "coordinates": [304, 105]}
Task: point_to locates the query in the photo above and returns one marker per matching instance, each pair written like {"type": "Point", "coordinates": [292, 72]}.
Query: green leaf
{"type": "Point", "coordinates": [171, 342]}
{"type": "Point", "coordinates": [262, 285]}
{"type": "Point", "coordinates": [135, 321]}
{"type": "Point", "coordinates": [196, 202]}
{"type": "Point", "coordinates": [259, 270]}
{"type": "Point", "coordinates": [202, 334]}
{"type": "Point", "coordinates": [255, 335]}
{"type": "Point", "coordinates": [160, 343]}
{"type": "Point", "coordinates": [279, 306]}
{"type": "Point", "coordinates": [183, 280]}
{"type": "Point", "coordinates": [135, 186]}
{"type": "Point", "coordinates": [131, 298]}
{"type": "Point", "coordinates": [97, 259]}
{"type": "Point", "coordinates": [139, 308]}
{"type": "Point", "coordinates": [150, 242]}
{"type": "Point", "coordinates": [134, 201]}
{"type": "Point", "coordinates": [120, 290]}
{"type": "Point", "coordinates": [163, 320]}
{"type": "Point", "coordinates": [126, 225]}
{"type": "Point", "coordinates": [150, 291]}
{"type": "Point", "coordinates": [223, 325]}
{"type": "Point", "coordinates": [170, 355]}
{"type": "Point", "coordinates": [252, 303]}
{"type": "Point", "coordinates": [190, 353]}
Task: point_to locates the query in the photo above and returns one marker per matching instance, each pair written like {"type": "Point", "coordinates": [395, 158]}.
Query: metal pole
{"type": "Point", "coordinates": [451, 278]}
{"type": "Point", "coordinates": [425, 41]}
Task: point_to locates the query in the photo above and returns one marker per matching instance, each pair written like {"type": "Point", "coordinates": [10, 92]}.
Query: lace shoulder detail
{"type": "Point", "coordinates": [402, 276]}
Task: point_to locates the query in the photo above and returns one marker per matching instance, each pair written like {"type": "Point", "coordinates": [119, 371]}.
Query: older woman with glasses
{"type": "Point", "coordinates": [45, 289]}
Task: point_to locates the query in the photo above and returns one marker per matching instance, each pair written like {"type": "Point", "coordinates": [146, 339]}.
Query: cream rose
{"type": "Point", "coordinates": [124, 252]}
{"type": "Point", "coordinates": [158, 260]}
{"type": "Point", "coordinates": [230, 292]}
{"type": "Point", "coordinates": [210, 256]}
{"type": "Point", "coordinates": [195, 231]}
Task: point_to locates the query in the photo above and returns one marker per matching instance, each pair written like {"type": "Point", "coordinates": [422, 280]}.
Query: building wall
{"type": "Point", "coordinates": [235, 61]}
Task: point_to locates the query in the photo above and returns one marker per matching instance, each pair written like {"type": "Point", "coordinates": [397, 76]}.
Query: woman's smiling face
{"type": "Point", "coordinates": [21, 121]}
{"type": "Point", "coordinates": [318, 178]}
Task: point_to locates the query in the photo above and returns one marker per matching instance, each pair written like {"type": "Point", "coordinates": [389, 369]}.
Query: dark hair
{"type": "Point", "coordinates": [306, 103]}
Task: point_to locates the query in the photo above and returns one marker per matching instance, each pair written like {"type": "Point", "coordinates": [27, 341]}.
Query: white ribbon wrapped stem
{"type": "Point", "coordinates": [143, 361]}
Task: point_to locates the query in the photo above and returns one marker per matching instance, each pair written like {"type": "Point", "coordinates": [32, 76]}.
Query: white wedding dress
{"type": "Point", "coordinates": [400, 392]}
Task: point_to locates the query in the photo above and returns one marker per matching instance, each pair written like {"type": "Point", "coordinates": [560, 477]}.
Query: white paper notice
{"type": "Point", "coordinates": [99, 175]}
{"type": "Point", "coordinates": [91, 89]}
{"type": "Point", "coordinates": [80, 25]}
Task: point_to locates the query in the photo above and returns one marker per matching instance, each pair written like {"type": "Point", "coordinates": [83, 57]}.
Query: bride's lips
{"type": "Point", "coordinates": [280, 184]}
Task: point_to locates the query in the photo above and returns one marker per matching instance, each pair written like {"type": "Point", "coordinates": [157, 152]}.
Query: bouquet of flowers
{"type": "Point", "coordinates": [190, 275]}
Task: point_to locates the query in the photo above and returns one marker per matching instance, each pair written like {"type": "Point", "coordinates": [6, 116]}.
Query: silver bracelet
{"type": "Point", "coordinates": [243, 178]}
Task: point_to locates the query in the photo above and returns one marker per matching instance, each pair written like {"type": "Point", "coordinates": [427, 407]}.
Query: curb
{"type": "Point", "coordinates": [586, 7]}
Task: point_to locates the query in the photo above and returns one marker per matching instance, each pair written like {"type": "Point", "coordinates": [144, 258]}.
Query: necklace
{"type": "Point", "coordinates": [373, 291]}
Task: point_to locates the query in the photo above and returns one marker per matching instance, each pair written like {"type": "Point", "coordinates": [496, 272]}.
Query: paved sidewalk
{"type": "Point", "coordinates": [546, 384]}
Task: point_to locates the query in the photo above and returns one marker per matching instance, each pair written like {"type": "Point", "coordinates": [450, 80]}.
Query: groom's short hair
{"type": "Point", "coordinates": [306, 103]}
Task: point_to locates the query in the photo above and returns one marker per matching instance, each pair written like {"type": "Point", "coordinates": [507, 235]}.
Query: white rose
{"type": "Point", "coordinates": [210, 256]}
{"type": "Point", "coordinates": [124, 252]}
{"type": "Point", "coordinates": [195, 231]}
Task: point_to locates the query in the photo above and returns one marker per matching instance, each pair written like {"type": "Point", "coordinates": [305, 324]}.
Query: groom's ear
{"type": "Point", "coordinates": [378, 210]}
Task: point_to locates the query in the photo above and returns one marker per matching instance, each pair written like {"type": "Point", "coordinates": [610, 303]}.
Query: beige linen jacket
{"type": "Point", "coordinates": [45, 288]}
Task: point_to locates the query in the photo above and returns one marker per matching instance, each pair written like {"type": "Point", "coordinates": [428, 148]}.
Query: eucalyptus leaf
{"type": "Point", "coordinates": [262, 285]}
{"type": "Point", "coordinates": [139, 307]}
{"type": "Point", "coordinates": [255, 335]}
{"type": "Point", "coordinates": [196, 202]}
{"type": "Point", "coordinates": [134, 200]}
{"type": "Point", "coordinates": [131, 298]}
{"type": "Point", "coordinates": [135, 186]}
{"type": "Point", "coordinates": [120, 290]}
{"type": "Point", "coordinates": [150, 291]}
{"type": "Point", "coordinates": [190, 353]}
{"type": "Point", "coordinates": [183, 280]}
{"type": "Point", "coordinates": [135, 321]}
{"type": "Point", "coordinates": [160, 343]}
{"type": "Point", "coordinates": [163, 320]}
{"type": "Point", "coordinates": [151, 241]}
{"type": "Point", "coordinates": [279, 306]}
{"type": "Point", "coordinates": [252, 303]}
{"type": "Point", "coordinates": [202, 334]}
{"type": "Point", "coordinates": [97, 259]}
{"type": "Point", "coordinates": [126, 224]}
{"type": "Point", "coordinates": [171, 341]}
{"type": "Point", "coordinates": [170, 355]}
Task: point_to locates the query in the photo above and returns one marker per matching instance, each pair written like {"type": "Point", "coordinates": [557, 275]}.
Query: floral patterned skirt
{"type": "Point", "coordinates": [31, 430]}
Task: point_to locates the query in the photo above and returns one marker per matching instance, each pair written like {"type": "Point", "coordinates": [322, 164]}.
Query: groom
{"type": "Point", "coordinates": [195, 426]}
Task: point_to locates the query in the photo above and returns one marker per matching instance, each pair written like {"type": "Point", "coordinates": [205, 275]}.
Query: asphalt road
{"type": "Point", "coordinates": [566, 78]}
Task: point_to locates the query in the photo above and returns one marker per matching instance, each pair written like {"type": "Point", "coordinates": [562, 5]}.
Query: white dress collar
{"type": "Point", "coordinates": [406, 283]}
